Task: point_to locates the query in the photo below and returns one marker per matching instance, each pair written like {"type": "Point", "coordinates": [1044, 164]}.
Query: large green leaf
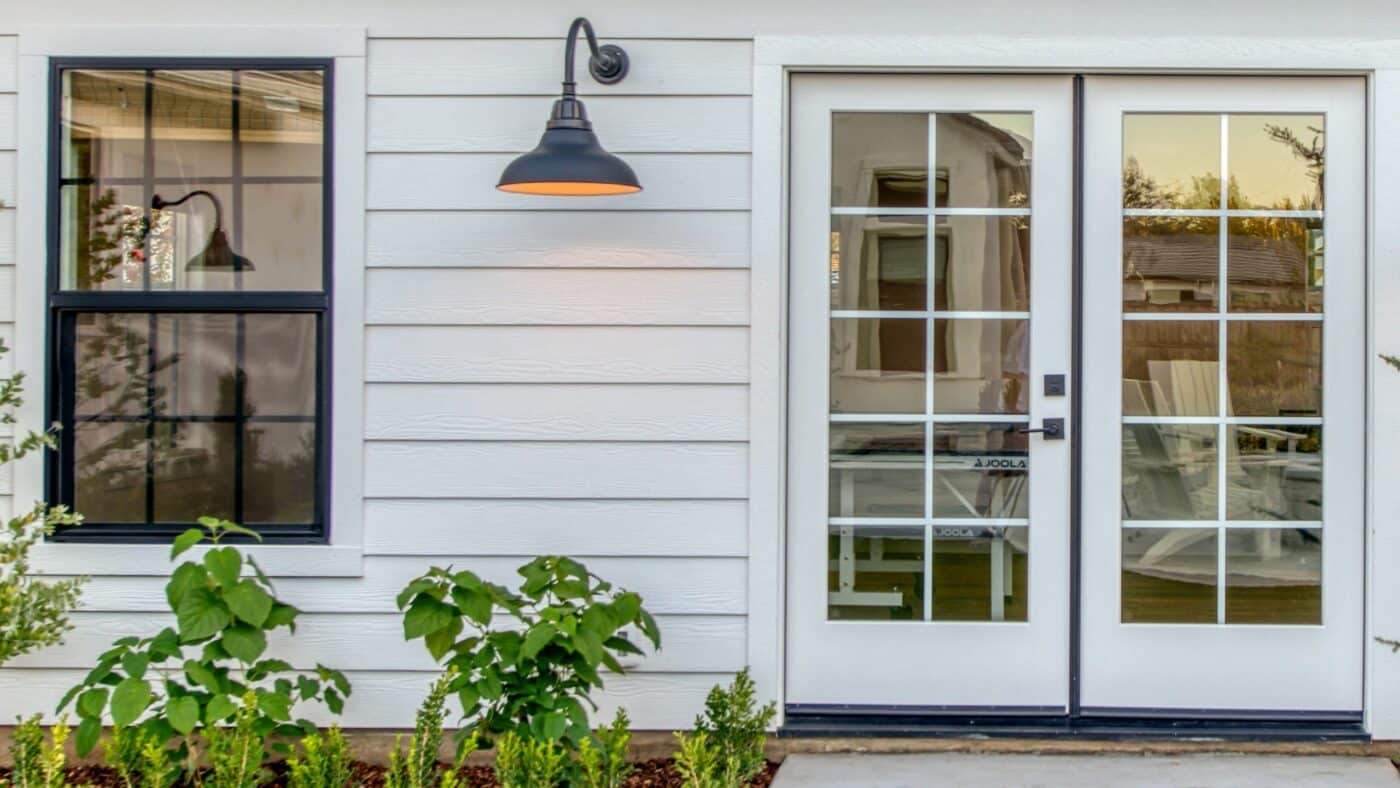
{"type": "Point", "coordinates": [89, 731]}
{"type": "Point", "coordinates": [203, 675]}
{"type": "Point", "coordinates": [183, 714]}
{"type": "Point", "coordinates": [185, 541]}
{"type": "Point", "coordinates": [185, 577]}
{"type": "Point", "coordinates": [129, 700]}
{"type": "Point", "coordinates": [244, 642]}
{"type": "Point", "coordinates": [281, 615]}
{"type": "Point", "coordinates": [92, 702]}
{"type": "Point", "coordinates": [249, 602]}
{"type": "Point", "coordinates": [413, 589]}
{"type": "Point", "coordinates": [441, 641]}
{"type": "Point", "coordinates": [278, 707]}
{"type": "Point", "coordinates": [225, 564]}
{"type": "Point", "coordinates": [474, 602]}
{"type": "Point", "coordinates": [219, 709]}
{"type": "Point", "coordinates": [199, 615]}
{"type": "Point", "coordinates": [426, 615]}
{"type": "Point", "coordinates": [537, 638]}
{"type": "Point", "coordinates": [134, 663]}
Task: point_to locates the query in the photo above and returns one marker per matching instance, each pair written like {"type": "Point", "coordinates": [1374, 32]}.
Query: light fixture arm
{"type": "Point", "coordinates": [607, 63]}
{"type": "Point", "coordinates": [158, 203]}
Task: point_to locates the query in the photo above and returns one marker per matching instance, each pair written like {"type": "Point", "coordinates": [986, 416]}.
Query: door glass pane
{"type": "Point", "coordinates": [1171, 264]}
{"type": "Point", "coordinates": [875, 574]}
{"type": "Point", "coordinates": [980, 470]}
{"type": "Point", "coordinates": [1275, 472]}
{"type": "Point", "coordinates": [1273, 576]}
{"type": "Point", "coordinates": [1169, 575]}
{"type": "Point", "coordinates": [1170, 472]}
{"type": "Point", "coordinates": [1276, 162]}
{"type": "Point", "coordinates": [879, 262]}
{"type": "Point", "coordinates": [879, 159]}
{"type": "Point", "coordinates": [1171, 161]}
{"type": "Point", "coordinates": [982, 366]}
{"type": "Point", "coordinates": [1275, 368]}
{"type": "Point", "coordinates": [1276, 265]}
{"type": "Point", "coordinates": [986, 158]}
{"type": "Point", "coordinates": [877, 365]}
{"type": "Point", "coordinates": [877, 470]}
{"type": "Point", "coordinates": [979, 574]}
{"type": "Point", "coordinates": [983, 263]}
{"type": "Point", "coordinates": [1171, 368]}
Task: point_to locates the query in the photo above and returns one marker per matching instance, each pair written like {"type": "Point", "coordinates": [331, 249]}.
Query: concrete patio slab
{"type": "Point", "coordinates": [969, 770]}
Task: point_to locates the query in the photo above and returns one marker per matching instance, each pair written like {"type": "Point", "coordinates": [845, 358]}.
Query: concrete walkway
{"type": "Point", "coordinates": [966, 770]}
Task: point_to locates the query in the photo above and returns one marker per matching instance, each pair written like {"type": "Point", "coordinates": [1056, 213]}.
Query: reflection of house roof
{"type": "Point", "coordinates": [1197, 257]}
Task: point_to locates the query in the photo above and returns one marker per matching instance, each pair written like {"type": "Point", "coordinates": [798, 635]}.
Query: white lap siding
{"type": "Point", "coordinates": [542, 375]}
{"type": "Point", "coordinates": [9, 133]}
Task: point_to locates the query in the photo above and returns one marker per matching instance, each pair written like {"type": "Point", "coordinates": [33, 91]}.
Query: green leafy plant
{"type": "Point", "coordinates": [236, 751]}
{"type": "Point", "coordinates": [532, 673]}
{"type": "Point", "coordinates": [736, 729]}
{"type": "Point", "coordinates": [529, 763]}
{"type": "Point", "coordinates": [35, 764]}
{"type": "Point", "coordinates": [122, 752]}
{"type": "Point", "coordinates": [697, 761]}
{"type": "Point", "coordinates": [602, 759]}
{"type": "Point", "coordinates": [324, 762]}
{"type": "Point", "coordinates": [157, 771]}
{"type": "Point", "coordinates": [33, 611]}
{"type": "Point", "coordinates": [418, 768]}
{"type": "Point", "coordinates": [193, 677]}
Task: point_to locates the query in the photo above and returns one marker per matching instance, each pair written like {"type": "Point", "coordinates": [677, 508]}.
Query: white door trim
{"type": "Point", "coordinates": [776, 57]}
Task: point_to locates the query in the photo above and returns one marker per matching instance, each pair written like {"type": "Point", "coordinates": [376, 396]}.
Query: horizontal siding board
{"type": "Point", "coordinates": [388, 699]}
{"type": "Point", "coordinates": [550, 354]}
{"type": "Point", "coordinates": [600, 412]}
{"type": "Point", "coordinates": [467, 181]}
{"type": "Point", "coordinates": [9, 63]}
{"type": "Point", "coordinates": [494, 124]}
{"type": "Point", "coordinates": [8, 119]}
{"type": "Point", "coordinates": [7, 236]}
{"type": "Point", "coordinates": [374, 641]}
{"type": "Point", "coordinates": [555, 470]}
{"type": "Point", "coordinates": [8, 162]}
{"type": "Point", "coordinates": [684, 586]}
{"type": "Point", "coordinates": [531, 67]}
{"type": "Point", "coordinates": [670, 528]}
{"type": "Point", "coordinates": [504, 296]}
{"type": "Point", "coordinates": [558, 239]}
{"type": "Point", "coordinates": [7, 294]}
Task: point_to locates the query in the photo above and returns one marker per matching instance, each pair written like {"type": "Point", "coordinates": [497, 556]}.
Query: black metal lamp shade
{"type": "Point", "coordinates": [569, 161]}
{"type": "Point", "coordinates": [217, 255]}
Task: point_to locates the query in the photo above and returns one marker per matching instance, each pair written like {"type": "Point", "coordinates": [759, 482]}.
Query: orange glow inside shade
{"type": "Point", "coordinates": [569, 188]}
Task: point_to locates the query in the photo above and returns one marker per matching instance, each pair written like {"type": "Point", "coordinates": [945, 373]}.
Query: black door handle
{"type": "Point", "coordinates": [1053, 429]}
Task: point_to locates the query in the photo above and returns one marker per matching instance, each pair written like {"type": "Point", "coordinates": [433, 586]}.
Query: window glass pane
{"type": "Point", "coordinates": [875, 574]}
{"type": "Point", "coordinates": [981, 366]}
{"type": "Point", "coordinates": [1171, 161]}
{"type": "Point", "coordinates": [103, 125]}
{"type": "Point", "coordinates": [879, 159]}
{"type": "Point", "coordinates": [101, 233]}
{"type": "Point", "coordinates": [282, 237]}
{"type": "Point", "coordinates": [879, 262]}
{"type": "Point", "coordinates": [196, 365]}
{"type": "Point", "coordinates": [279, 473]}
{"type": "Point", "coordinates": [1276, 162]}
{"type": "Point", "coordinates": [1275, 265]}
{"type": "Point", "coordinates": [1273, 576]}
{"type": "Point", "coordinates": [194, 465]}
{"type": "Point", "coordinates": [983, 263]}
{"type": "Point", "coordinates": [1170, 472]}
{"type": "Point", "coordinates": [281, 117]}
{"type": "Point", "coordinates": [111, 356]}
{"type": "Point", "coordinates": [1275, 472]}
{"type": "Point", "coordinates": [1169, 575]}
{"type": "Point", "coordinates": [877, 470]}
{"type": "Point", "coordinates": [979, 574]}
{"type": "Point", "coordinates": [1171, 368]}
{"type": "Point", "coordinates": [109, 471]}
{"type": "Point", "coordinates": [279, 365]}
{"type": "Point", "coordinates": [980, 470]}
{"type": "Point", "coordinates": [877, 365]}
{"type": "Point", "coordinates": [1275, 368]}
{"type": "Point", "coordinates": [986, 159]}
{"type": "Point", "coordinates": [192, 124]}
{"type": "Point", "coordinates": [1171, 264]}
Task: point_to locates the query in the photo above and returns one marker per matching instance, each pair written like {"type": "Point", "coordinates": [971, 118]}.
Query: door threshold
{"type": "Point", "coordinates": [1012, 723]}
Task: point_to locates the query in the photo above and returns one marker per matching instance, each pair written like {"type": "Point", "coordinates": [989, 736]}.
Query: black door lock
{"type": "Point", "coordinates": [1053, 429]}
{"type": "Point", "coordinates": [1054, 385]}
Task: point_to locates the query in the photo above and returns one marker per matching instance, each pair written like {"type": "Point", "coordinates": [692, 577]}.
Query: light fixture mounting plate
{"type": "Point", "coordinates": [609, 66]}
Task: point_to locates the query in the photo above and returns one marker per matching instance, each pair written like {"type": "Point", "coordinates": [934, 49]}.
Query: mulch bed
{"type": "Point", "coordinates": [655, 773]}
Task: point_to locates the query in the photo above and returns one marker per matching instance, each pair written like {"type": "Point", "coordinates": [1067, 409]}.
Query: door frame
{"type": "Point", "coordinates": [776, 58]}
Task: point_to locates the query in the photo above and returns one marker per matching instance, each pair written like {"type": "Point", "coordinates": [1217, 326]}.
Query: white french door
{"type": "Point", "coordinates": [928, 541]}
{"type": "Point", "coordinates": [1222, 523]}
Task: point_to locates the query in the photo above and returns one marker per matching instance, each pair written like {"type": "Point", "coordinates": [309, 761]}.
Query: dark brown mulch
{"type": "Point", "coordinates": [655, 773]}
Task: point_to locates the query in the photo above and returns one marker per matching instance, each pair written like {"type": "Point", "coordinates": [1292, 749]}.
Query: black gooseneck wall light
{"type": "Point", "coordinates": [217, 254]}
{"type": "Point", "coordinates": [569, 161]}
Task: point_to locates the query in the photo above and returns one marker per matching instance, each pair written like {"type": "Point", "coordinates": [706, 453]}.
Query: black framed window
{"type": "Point", "coordinates": [189, 295]}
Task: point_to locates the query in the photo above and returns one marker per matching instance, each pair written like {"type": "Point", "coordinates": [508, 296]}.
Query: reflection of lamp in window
{"type": "Point", "coordinates": [217, 255]}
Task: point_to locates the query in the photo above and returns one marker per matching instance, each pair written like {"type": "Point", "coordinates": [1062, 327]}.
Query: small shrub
{"type": "Point", "coordinates": [533, 676]}
{"type": "Point", "coordinates": [697, 761]}
{"type": "Point", "coordinates": [419, 767]}
{"type": "Point", "coordinates": [236, 751]}
{"type": "Point", "coordinates": [123, 753]}
{"type": "Point", "coordinates": [603, 764]}
{"type": "Point", "coordinates": [529, 763]}
{"type": "Point", "coordinates": [324, 762]}
{"type": "Point", "coordinates": [157, 770]}
{"type": "Point", "coordinates": [736, 729]}
{"type": "Point", "coordinates": [33, 763]}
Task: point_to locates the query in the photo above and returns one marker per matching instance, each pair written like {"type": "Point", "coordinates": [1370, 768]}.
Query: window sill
{"type": "Point", "coordinates": [153, 560]}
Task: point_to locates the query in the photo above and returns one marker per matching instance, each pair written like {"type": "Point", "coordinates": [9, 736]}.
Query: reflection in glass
{"type": "Point", "coordinates": [986, 157]}
{"type": "Point", "coordinates": [982, 263]}
{"type": "Point", "coordinates": [279, 473]}
{"type": "Point", "coordinates": [1169, 575]}
{"type": "Point", "coordinates": [111, 354]}
{"type": "Point", "coordinates": [103, 124]}
{"type": "Point", "coordinates": [1170, 264]}
{"type": "Point", "coordinates": [279, 365]}
{"type": "Point", "coordinates": [980, 470]}
{"type": "Point", "coordinates": [1274, 473]}
{"type": "Point", "coordinates": [1277, 162]}
{"type": "Point", "coordinates": [283, 233]}
{"type": "Point", "coordinates": [101, 232]}
{"type": "Point", "coordinates": [879, 159]}
{"type": "Point", "coordinates": [877, 365]}
{"type": "Point", "coordinates": [192, 124]}
{"type": "Point", "coordinates": [193, 471]}
{"type": "Point", "coordinates": [109, 472]}
{"type": "Point", "coordinates": [1275, 368]}
{"type": "Point", "coordinates": [1171, 161]}
{"type": "Point", "coordinates": [1275, 265]}
{"type": "Point", "coordinates": [983, 366]}
{"type": "Point", "coordinates": [875, 574]}
{"type": "Point", "coordinates": [879, 262]}
{"type": "Point", "coordinates": [1273, 576]}
{"type": "Point", "coordinates": [1171, 368]}
{"type": "Point", "coordinates": [280, 121]}
{"type": "Point", "coordinates": [979, 574]}
{"type": "Point", "coordinates": [877, 470]}
{"type": "Point", "coordinates": [1170, 472]}
{"type": "Point", "coordinates": [200, 379]}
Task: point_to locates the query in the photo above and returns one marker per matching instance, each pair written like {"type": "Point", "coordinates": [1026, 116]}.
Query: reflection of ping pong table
{"type": "Point", "coordinates": [975, 525]}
